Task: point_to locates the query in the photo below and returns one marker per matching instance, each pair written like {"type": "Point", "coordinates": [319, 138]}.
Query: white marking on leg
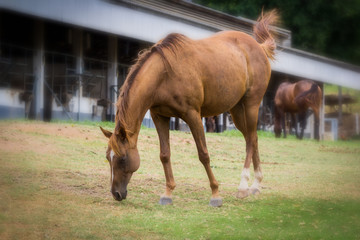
{"type": "Point", "coordinates": [245, 176]}
{"type": "Point", "coordinates": [257, 180]}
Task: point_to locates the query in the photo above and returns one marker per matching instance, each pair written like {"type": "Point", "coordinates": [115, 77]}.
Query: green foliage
{"type": "Point", "coordinates": [328, 28]}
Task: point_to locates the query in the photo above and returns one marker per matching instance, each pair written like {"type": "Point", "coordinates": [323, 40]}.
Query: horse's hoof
{"type": "Point", "coordinates": [254, 191]}
{"type": "Point", "coordinates": [242, 193]}
{"type": "Point", "coordinates": [165, 201]}
{"type": "Point", "coordinates": [215, 202]}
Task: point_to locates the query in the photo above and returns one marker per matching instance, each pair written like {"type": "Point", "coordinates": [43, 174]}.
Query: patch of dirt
{"type": "Point", "coordinates": [22, 136]}
{"type": "Point", "coordinates": [342, 150]}
{"type": "Point", "coordinates": [19, 143]}
{"type": "Point", "coordinates": [91, 184]}
{"type": "Point", "coordinates": [42, 140]}
{"type": "Point", "coordinates": [60, 130]}
{"type": "Point", "coordinates": [272, 163]}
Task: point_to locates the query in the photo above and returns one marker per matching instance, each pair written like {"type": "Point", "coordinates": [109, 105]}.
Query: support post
{"type": "Point", "coordinates": [224, 122]}
{"type": "Point", "coordinates": [37, 108]}
{"type": "Point", "coordinates": [78, 51]}
{"type": "Point", "coordinates": [112, 74]}
{"type": "Point", "coordinates": [340, 105]}
{"type": "Point", "coordinates": [322, 114]}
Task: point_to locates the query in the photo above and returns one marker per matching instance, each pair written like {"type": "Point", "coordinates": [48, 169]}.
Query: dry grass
{"type": "Point", "coordinates": [54, 183]}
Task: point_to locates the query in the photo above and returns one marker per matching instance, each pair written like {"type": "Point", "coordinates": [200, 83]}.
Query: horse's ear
{"type": "Point", "coordinates": [120, 131]}
{"type": "Point", "coordinates": [106, 132]}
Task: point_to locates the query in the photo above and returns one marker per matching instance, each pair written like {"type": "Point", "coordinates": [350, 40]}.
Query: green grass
{"type": "Point", "coordinates": [54, 184]}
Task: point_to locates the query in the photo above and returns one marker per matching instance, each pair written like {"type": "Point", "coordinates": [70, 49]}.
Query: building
{"type": "Point", "coordinates": [67, 59]}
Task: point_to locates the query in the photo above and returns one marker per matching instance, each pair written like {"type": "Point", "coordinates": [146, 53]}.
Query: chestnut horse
{"type": "Point", "coordinates": [296, 98]}
{"type": "Point", "coordinates": [190, 79]}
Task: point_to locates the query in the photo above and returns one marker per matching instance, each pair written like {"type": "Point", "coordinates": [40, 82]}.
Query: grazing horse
{"type": "Point", "coordinates": [296, 98]}
{"type": "Point", "coordinates": [190, 79]}
{"type": "Point", "coordinates": [211, 124]}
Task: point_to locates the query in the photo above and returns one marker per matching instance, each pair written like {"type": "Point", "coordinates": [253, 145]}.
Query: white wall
{"type": "Point", "coordinates": [10, 97]}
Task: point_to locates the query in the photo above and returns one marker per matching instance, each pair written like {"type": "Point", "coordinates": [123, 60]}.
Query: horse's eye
{"type": "Point", "coordinates": [122, 160]}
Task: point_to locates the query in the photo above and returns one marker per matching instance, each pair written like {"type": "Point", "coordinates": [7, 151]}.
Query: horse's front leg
{"type": "Point", "coordinates": [193, 119]}
{"type": "Point", "coordinates": [294, 122]}
{"type": "Point", "coordinates": [162, 127]}
{"type": "Point", "coordinates": [283, 121]}
{"type": "Point", "coordinates": [302, 119]}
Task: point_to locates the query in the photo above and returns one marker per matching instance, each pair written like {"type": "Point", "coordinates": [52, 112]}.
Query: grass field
{"type": "Point", "coordinates": [54, 184]}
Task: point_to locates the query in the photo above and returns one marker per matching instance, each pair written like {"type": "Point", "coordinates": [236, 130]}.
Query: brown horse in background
{"type": "Point", "coordinates": [190, 79]}
{"type": "Point", "coordinates": [212, 124]}
{"type": "Point", "coordinates": [296, 98]}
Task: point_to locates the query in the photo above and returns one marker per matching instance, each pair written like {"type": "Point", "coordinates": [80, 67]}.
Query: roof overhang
{"type": "Point", "coordinates": [148, 20]}
{"type": "Point", "coordinates": [310, 66]}
{"type": "Point", "coordinates": [110, 16]}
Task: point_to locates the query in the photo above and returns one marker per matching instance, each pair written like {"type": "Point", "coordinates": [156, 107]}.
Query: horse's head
{"type": "Point", "coordinates": [123, 160]}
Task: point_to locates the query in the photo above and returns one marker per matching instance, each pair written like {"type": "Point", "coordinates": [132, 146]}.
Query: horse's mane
{"type": "Point", "coordinates": [173, 43]}
{"type": "Point", "coordinates": [310, 96]}
{"type": "Point", "coordinates": [170, 44]}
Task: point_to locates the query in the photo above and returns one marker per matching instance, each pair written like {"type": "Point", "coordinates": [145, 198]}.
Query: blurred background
{"type": "Point", "coordinates": [65, 60]}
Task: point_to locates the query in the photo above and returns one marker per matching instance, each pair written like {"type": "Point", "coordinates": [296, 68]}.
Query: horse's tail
{"type": "Point", "coordinates": [311, 97]}
{"type": "Point", "coordinates": [262, 32]}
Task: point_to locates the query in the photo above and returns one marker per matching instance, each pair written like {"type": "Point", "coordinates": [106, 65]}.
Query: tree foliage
{"type": "Point", "coordinates": [326, 27]}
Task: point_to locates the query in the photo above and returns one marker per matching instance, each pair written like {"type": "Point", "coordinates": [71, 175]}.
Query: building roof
{"type": "Point", "coordinates": [206, 17]}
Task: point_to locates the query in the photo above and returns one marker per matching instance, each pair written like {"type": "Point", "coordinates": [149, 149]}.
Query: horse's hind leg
{"type": "Point", "coordinates": [162, 127]}
{"type": "Point", "coordinates": [317, 123]}
{"type": "Point", "coordinates": [283, 123]}
{"type": "Point", "coordinates": [193, 119]}
{"type": "Point", "coordinates": [302, 120]}
{"type": "Point", "coordinates": [245, 119]}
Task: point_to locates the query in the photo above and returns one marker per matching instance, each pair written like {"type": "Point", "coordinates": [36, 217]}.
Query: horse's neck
{"type": "Point", "coordinates": [139, 99]}
{"type": "Point", "coordinates": [138, 104]}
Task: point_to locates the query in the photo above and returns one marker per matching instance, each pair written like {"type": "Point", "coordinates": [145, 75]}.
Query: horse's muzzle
{"type": "Point", "coordinates": [119, 196]}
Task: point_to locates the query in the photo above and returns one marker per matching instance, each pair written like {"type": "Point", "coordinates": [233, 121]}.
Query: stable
{"type": "Point", "coordinates": [67, 59]}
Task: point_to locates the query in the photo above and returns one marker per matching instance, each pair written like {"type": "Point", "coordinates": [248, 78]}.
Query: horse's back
{"type": "Point", "coordinates": [309, 90]}
{"type": "Point", "coordinates": [242, 43]}
{"type": "Point", "coordinates": [287, 93]}
{"type": "Point", "coordinates": [217, 70]}
{"type": "Point", "coordinates": [258, 65]}
{"type": "Point", "coordinates": [237, 62]}
{"type": "Point", "coordinates": [302, 86]}
{"type": "Point", "coordinates": [284, 96]}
